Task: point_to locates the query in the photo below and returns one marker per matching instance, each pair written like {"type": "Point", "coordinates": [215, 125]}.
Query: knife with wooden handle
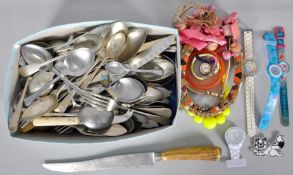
{"type": "Point", "coordinates": [138, 159]}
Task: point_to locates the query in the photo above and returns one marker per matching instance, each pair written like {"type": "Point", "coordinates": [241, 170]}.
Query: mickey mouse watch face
{"type": "Point", "coordinates": [250, 68]}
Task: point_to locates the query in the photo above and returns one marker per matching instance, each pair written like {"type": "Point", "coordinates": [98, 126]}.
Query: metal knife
{"type": "Point", "coordinates": [138, 159]}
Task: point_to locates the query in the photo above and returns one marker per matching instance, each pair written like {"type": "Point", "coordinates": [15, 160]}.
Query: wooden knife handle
{"type": "Point", "coordinates": [192, 153]}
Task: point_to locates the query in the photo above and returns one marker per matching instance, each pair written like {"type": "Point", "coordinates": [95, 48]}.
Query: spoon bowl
{"type": "Point", "coordinates": [117, 27]}
{"type": "Point", "coordinates": [151, 95]}
{"type": "Point", "coordinates": [122, 93]}
{"type": "Point", "coordinates": [33, 53]}
{"type": "Point", "coordinates": [116, 45]}
{"type": "Point", "coordinates": [79, 61]}
{"type": "Point", "coordinates": [92, 41]}
{"type": "Point", "coordinates": [39, 80]}
{"type": "Point", "coordinates": [161, 63]}
{"type": "Point", "coordinates": [95, 119]}
{"type": "Point", "coordinates": [135, 39]}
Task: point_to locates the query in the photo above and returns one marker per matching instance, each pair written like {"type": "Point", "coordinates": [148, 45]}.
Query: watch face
{"type": "Point", "coordinates": [235, 136]}
{"type": "Point", "coordinates": [250, 67]}
{"type": "Point", "coordinates": [204, 65]}
{"type": "Point", "coordinates": [275, 71]}
{"type": "Point", "coordinates": [205, 68]}
{"type": "Point", "coordinates": [285, 66]}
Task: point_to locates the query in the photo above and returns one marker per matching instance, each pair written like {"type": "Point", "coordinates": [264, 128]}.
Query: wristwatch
{"type": "Point", "coordinates": [280, 35]}
{"type": "Point", "coordinates": [275, 72]}
{"type": "Point", "coordinates": [235, 138]}
{"type": "Point", "coordinates": [250, 69]}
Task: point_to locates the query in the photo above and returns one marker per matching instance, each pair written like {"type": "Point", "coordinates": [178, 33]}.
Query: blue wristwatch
{"type": "Point", "coordinates": [275, 72]}
{"type": "Point", "coordinates": [280, 36]}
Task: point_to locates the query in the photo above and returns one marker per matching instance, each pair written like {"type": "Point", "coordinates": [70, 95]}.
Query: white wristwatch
{"type": "Point", "coordinates": [235, 138]}
{"type": "Point", "coordinates": [250, 68]}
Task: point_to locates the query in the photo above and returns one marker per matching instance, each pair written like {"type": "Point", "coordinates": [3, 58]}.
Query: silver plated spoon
{"type": "Point", "coordinates": [33, 53]}
{"type": "Point", "coordinates": [122, 93]}
{"type": "Point", "coordinates": [39, 80]}
{"type": "Point", "coordinates": [135, 39]}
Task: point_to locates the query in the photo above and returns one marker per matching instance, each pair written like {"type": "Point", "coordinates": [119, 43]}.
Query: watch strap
{"type": "Point", "coordinates": [248, 48]}
{"type": "Point", "coordinates": [284, 102]}
{"type": "Point", "coordinates": [270, 105]}
{"type": "Point", "coordinates": [275, 85]}
{"type": "Point", "coordinates": [271, 45]}
{"type": "Point", "coordinates": [280, 35]}
{"type": "Point", "coordinates": [250, 106]}
{"type": "Point", "coordinates": [249, 86]}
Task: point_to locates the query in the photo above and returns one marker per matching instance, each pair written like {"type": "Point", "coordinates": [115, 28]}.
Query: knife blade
{"type": "Point", "coordinates": [137, 159]}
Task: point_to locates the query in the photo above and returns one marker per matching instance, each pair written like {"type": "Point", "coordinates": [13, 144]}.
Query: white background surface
{"type": "Point", "coordinates": [22, 18]}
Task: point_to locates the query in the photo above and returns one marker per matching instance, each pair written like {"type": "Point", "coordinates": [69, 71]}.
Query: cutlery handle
{"type": "Point", "coordinates": [14, 119]}
{"type": "Point", "coordinates": [63, 105]}
{"type": "Point", "coordinates": [192, 153]}
{"type": "Point", "coordinates": [152, 71]}
{"type": "Point", "coordinates": [55, 121]}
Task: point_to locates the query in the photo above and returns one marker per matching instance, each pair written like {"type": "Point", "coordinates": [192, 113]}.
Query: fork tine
{"type": "Point", "coordinates": [22, 123]}
{"type": "Point", "coordinates": [93, 98]}
{"type": "Point", "coordinates": [99, 96]}
{"type": "Point", "coordinates": [96, 104]}
{"type": "Point", "coordinates": [62, 129]}
{"type": "Point", "coordinates": [57, 128]}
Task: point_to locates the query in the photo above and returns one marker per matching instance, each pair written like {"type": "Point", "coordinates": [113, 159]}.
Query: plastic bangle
{"type": "Point", "coordinates": [208, 83]}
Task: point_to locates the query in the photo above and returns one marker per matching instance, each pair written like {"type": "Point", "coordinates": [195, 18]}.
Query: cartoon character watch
{"type": "Point", "coordinates": [235, 138]}
{"type": "Point", "coordinates": [280, 35]}
{"type": "Point", "coordinates": [250, 69]}
{"type": "Point", "coordinates": [275, 72]}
